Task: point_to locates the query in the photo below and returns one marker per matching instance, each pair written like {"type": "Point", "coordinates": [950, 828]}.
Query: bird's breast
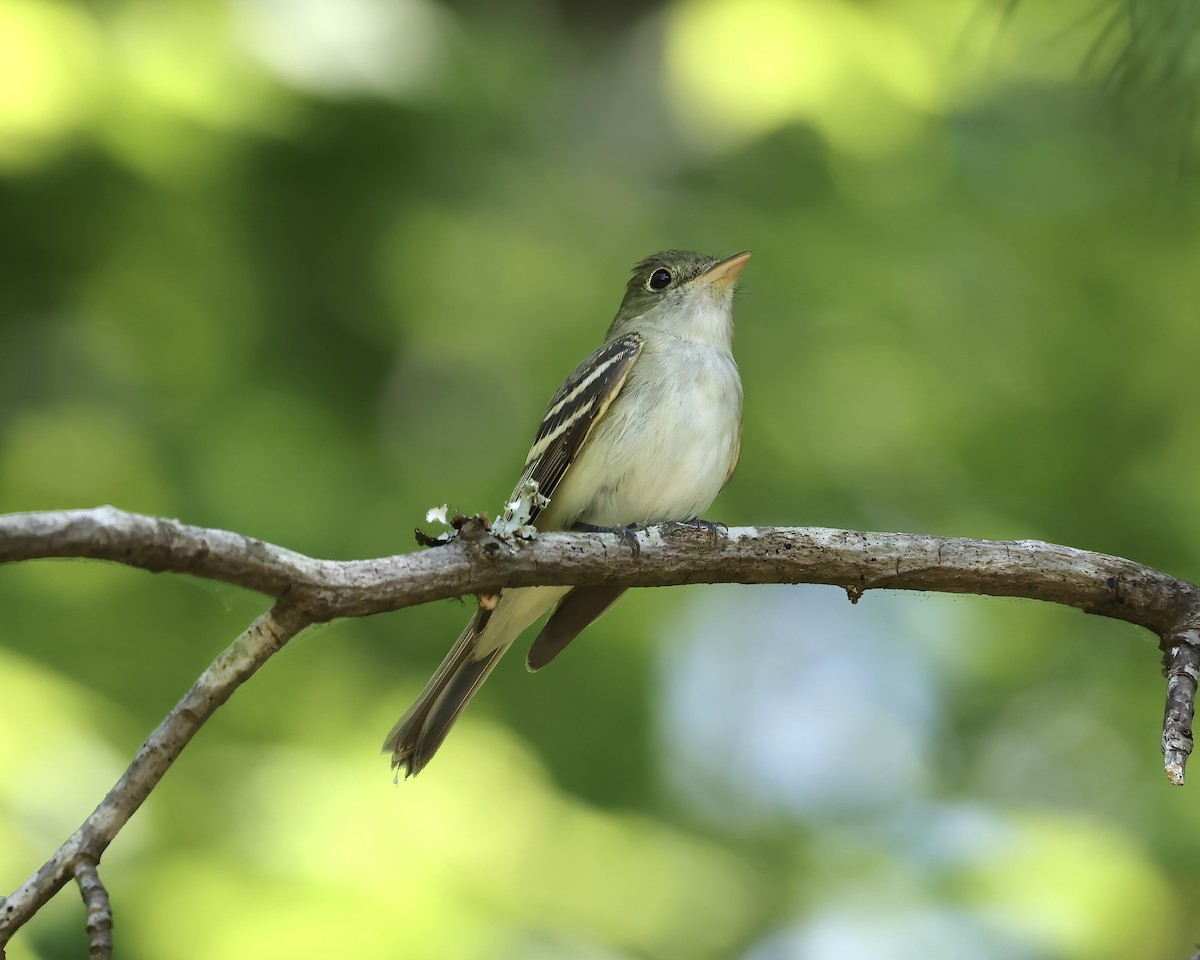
{"type": "Point", "coordinates": [666, 445]}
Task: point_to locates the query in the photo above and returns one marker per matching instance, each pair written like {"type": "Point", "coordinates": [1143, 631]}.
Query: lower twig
{"type": "Point", "coordinates": [256, 644]}
{"type": "Point", "coordinates": [99, 913]}
{"type": "Point", "coordinates": [1181, 666]}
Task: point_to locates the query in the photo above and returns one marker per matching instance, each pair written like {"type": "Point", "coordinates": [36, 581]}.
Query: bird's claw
{"type": "Point", "coordinates": [714, 527]}
{"type": "Point", "coordinates": [627, 533]}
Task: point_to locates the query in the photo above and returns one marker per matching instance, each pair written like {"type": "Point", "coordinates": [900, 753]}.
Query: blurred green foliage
{"type": "Point", "coordinates": [305, 269]}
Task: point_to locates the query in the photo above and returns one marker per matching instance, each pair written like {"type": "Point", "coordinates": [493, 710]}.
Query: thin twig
{"type": "Point", "coordinates": [99, 912]}
{"type": "Point", "coordinates": [234, 666]}
{"type": "Point", "coordinates": [1181, 666]}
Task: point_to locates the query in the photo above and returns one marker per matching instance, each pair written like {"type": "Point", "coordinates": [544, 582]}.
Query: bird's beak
{"type": "Point", "coordinates": [725, 272]}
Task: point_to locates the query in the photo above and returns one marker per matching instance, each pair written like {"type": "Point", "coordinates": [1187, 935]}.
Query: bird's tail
{"type": "Point", "coordinates": [418, 734]}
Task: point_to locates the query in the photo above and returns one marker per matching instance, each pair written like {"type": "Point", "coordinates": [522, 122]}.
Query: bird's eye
{"type": "Point", "coordinates": [659, 280]}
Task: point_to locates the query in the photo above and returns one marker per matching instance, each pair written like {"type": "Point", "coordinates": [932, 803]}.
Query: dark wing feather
{"type": "Point", "coordinates": [579, 608]}
{"type": "Point", "coordinates": [574, 409]}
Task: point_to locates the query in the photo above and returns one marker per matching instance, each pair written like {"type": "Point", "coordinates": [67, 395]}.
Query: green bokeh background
{"type": "Point", "coordinates": [304, 269]}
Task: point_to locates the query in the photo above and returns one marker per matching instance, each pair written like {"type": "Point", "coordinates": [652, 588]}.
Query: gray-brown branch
{"type": "Point", "coordinates": [309, 590]}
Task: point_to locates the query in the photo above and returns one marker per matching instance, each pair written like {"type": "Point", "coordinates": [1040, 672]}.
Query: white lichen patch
{"type": "Point", "coordinates": [519, 511]}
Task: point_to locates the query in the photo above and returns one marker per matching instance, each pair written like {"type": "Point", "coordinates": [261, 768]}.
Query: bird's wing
{"type": "Point", "coordinates": [574, 410]}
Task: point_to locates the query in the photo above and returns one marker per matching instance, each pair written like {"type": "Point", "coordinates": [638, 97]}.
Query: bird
{"type": "Point", "coordinates": [647, 429]}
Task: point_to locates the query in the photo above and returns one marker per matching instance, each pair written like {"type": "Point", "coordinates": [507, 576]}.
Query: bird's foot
{"type": "Point", "coordinates": [627, 533]}
{"type": "Point", "coordinates": [715, 528]}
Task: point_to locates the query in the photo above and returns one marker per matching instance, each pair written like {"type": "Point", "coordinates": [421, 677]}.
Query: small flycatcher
{"type": "Point", "coordinates": [646, 430]}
